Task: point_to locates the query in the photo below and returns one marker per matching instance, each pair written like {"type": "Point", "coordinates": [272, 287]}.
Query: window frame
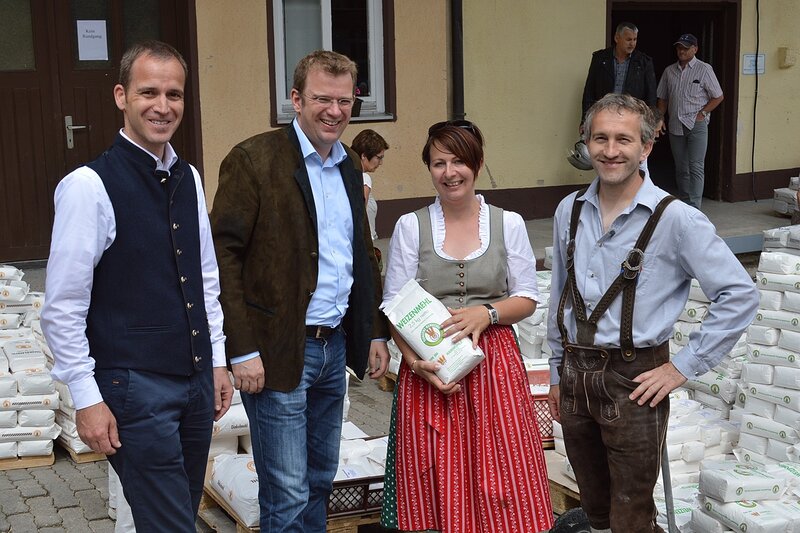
{"type": "Point", "coordinates": [379, 105]}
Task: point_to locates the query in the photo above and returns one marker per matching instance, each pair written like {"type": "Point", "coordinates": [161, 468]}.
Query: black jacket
{"type": "Point", "coordinates": [639, 82]}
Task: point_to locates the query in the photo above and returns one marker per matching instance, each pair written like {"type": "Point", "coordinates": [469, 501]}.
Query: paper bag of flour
{"type": "Point", "coordinates": [417, 315]}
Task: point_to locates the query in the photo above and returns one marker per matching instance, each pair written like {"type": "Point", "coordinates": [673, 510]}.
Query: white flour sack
{"type": "Point", "coordinates": [418, 317]}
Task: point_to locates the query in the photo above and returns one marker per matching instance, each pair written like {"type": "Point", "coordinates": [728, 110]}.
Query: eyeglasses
{"type": "Point", "coordinates": [464, 124]}
{"type": "Point", "coordinates": [327, 101]}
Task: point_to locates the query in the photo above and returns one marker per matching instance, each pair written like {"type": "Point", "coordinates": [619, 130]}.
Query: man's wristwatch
{"type": "Point", "coordinates": [494, 318]}
{"type": "Point", "coordinates": [702, 112]}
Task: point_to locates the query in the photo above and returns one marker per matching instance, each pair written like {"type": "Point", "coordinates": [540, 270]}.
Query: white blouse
{"type": "Point", "coordinates": [404, 250]}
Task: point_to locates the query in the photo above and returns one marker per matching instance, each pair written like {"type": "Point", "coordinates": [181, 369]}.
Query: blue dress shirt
{"type": "Point", "coordinates": [684, 245]}
{"type": "Point", "coordinates": [328, 304]}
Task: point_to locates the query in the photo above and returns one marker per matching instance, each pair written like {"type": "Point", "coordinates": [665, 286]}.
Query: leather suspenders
{"type": "Point", "coordinates": [625, 283]}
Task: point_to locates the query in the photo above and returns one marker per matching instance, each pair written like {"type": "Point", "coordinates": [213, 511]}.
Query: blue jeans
{"type": "Point", "coordinates": [296, 441]}
{"type": "Point", "coordinates": [165, 425]}
{"type": "Point", "coordinates": [689, 153]}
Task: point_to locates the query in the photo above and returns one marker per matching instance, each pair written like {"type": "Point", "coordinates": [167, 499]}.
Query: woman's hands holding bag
{"type": "Point", "coordinates": [427, 371]}
{"type": "Point", "coordinates": [467, 321]}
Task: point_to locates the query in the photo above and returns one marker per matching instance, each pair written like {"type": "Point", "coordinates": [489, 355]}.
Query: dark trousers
{"type": "Point", "coordinates": [614, 445]}
{"type": "Point", "coordinates": [165, 425]}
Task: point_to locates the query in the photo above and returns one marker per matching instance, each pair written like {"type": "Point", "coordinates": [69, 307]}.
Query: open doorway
{"type": "Point", "coordinates": [716, 25]}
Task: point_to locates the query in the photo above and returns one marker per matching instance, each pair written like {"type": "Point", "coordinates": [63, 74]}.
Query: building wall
{"type": "Point", "coordinates": [523, 72]}
{"type": "Point", "coordinates": [235, 96]}
{"type": "Point", "coordinates": [778, 107]}
{"type": "Point", "coordinates": [524, 76]}
{"type": "Point", "coordinates": [525, 65]}
{"type": "Point", "coordinates": [234, 78]}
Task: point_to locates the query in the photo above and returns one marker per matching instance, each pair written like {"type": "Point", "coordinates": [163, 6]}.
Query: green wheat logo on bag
{"type": "Point", "coordinates": [418, 316]}
{"type": "Point", "coordinates": [432, 334]}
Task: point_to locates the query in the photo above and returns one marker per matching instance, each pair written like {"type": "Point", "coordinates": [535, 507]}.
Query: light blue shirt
{"type": "Point", "coordinates": [684, 245]}
{"type": "Point", "coordinates": [334, 233]}
{"type": "Point", "coordinates": [328, 304]}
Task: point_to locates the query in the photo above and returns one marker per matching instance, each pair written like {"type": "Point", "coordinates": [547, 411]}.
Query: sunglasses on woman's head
{"type": "Point", "coordinates": [464, 124]}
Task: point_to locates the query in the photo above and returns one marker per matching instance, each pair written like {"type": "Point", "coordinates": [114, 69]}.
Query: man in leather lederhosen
{"type": "Point", "coordinates": [623, 260]}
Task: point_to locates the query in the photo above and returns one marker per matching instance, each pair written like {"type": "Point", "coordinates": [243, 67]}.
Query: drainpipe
{"type": "Point", "coordinates": [457, 58]}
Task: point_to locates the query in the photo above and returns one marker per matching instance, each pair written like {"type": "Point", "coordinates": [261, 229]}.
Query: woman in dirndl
{"type": "Point", "coordinates": [465, 457]}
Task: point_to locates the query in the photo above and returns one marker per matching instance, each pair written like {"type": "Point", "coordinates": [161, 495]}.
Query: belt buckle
{"type": "Point", "coordinates": [318, 333]}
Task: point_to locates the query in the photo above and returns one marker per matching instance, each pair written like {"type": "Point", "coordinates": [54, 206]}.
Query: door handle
{"type": "Point", "coordinates": [69, 127]}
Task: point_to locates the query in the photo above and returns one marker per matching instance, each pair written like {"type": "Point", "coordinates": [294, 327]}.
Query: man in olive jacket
{"type": "Point", "coordinates": [300, 289]}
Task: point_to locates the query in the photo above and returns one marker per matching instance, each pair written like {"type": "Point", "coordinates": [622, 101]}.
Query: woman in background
{"type": "Point", "coordinates": [371, 147]}
{"type": "Point", "coordinates": [465, 457]}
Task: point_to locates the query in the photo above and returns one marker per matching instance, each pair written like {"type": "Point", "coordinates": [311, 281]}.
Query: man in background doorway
{"type": "Point", "coordinates": [688, 92]}
{"type": "Point", "coordinates": [620, 69]}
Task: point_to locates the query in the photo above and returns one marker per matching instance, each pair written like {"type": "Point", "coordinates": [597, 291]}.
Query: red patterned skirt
{"type": "Point", "coordinates": [471, 461]}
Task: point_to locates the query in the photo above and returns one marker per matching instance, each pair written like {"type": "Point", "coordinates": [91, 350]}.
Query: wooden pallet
{"type": "Point", "coordinates": [80, 458]}
{"type": "Point", "coordinates": [387, 382]}
{"type": "Point", "coordinates": [88, 457]}
{"type": "Point", "coordinates": [217, 514]}
{"type": "Point", "coordinates": [351, 524]}
{"type": "Point", "coordinates": [27, 462]}
{"type": "Point", "coordinates": [563, 491]}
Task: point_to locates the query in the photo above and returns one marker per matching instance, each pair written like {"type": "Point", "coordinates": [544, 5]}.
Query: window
{"type": "Point", "coordinates": [16, 36]}
{"type": "Point", "coordinates": [352, 27]}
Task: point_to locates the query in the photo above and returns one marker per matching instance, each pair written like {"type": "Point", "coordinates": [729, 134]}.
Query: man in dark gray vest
{"type": "Point", "coordinates": [132, 315]}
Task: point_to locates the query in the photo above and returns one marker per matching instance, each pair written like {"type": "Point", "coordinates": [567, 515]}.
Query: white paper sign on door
{"type": "Point", "coordinates": [92, 40]}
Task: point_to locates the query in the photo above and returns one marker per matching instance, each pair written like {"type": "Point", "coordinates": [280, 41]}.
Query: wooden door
{"type": "Point", "coordinates": [56, 87]}
{"type": "Point", "coordinates": [715, 24]}
{"type": "Point", "coordinates": [29, 162]}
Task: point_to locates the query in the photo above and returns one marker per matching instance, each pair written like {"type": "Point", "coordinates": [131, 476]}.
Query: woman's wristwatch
{"type": "Point", "coordinates": [494, 318]}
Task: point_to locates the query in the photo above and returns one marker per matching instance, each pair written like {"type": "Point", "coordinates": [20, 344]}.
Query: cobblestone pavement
{"type": "Point", "coordinates": [64, 497]}
{"type": "Point", "coordinates": [68, 497]}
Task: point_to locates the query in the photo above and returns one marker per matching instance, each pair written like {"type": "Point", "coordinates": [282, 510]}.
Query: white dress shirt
{"type": "Point", "coordinates": [404, 251]}
{"type": "Point", "coordinates": [83, 229]}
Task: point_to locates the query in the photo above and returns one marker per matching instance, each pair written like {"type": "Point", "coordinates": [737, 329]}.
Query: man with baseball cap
{"type": "Point", "coordinates": [689, 90]}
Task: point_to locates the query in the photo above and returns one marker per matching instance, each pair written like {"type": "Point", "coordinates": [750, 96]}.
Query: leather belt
{"type": "Point", "coordinates": [616, 353]}
{"type": "Point", "coordinates": [320, 332]}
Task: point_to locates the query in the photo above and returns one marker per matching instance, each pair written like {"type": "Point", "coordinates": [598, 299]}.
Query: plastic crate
{"type": "Point", "coordinates": [356, 496]}
{"type": "Point", "coordinates": [540, 379]}
{"type": "Point", "coordinates": [543, 417]}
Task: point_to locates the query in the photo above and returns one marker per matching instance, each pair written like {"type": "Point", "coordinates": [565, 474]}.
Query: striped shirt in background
{"type": "Point", "coordinates": [687, 91]}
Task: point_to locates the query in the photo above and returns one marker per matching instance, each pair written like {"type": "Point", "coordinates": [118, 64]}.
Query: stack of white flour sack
{"type": "Point", "coordinates": [759, 491]}
{"type": "Point", "coordinates": [65, 413]}
{"type": "Point", "coordinates": [784, 200]}
{"type": "Point", "coordinates": [232, 431]}
{"type": "Point", "coordinates": [532, 331]}
{"type": "Point", "coordinates": [28, 397]}
{"type": "Point", "coordinates": [718, 484]}
{"type": "Point", "coordinates": [233, 475]}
